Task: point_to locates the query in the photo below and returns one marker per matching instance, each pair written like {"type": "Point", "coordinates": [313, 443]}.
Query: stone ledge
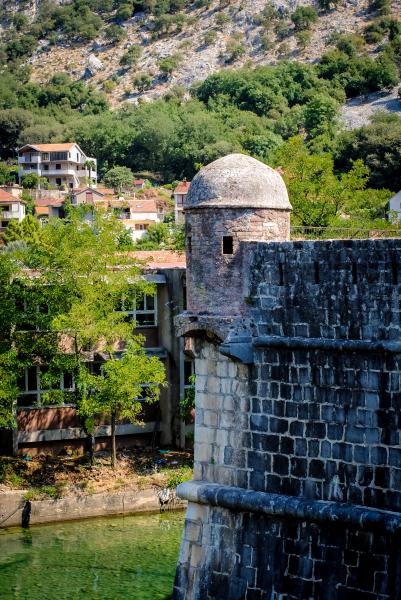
{"type": "Point", "coordinates": [317, 511]}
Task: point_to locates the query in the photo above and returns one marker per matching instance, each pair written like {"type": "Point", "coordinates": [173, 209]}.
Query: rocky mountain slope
{"type": "Point", "coordinates": [223, 34]}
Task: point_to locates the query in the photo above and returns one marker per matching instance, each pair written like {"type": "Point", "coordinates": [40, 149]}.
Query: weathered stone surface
{"type": "Point", "coordinates": [312, 422]}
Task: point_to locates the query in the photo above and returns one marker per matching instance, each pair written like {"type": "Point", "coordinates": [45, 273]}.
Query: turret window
{"type": "Point", "coordinates": [228, 244]}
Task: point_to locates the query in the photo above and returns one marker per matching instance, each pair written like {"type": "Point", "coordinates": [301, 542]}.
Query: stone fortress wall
{"type": "Point", "coordinates": [297, 483]}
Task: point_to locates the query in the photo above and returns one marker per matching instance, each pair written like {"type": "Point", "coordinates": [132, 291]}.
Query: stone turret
{"type": "Point", "coordinates": [232, 200]}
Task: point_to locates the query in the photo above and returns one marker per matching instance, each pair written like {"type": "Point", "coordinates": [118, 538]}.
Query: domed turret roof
{"type": "Point", "coordinates": [237, 181]}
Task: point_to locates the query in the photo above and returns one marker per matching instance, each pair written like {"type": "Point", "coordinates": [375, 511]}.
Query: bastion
{"type": "Point", "coordinates": [297, 481]}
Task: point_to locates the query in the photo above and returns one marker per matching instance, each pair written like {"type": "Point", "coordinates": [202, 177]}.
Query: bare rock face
{"type": "Point", "coordinates": [94, 64]}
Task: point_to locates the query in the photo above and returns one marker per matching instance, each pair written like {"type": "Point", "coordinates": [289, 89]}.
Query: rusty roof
{"type": "Point", "coordinates": [160, 259]}
{"type": "Point", "coordinates": [182, 187]}
{"type": "Point", "coordinates": [7, 197]}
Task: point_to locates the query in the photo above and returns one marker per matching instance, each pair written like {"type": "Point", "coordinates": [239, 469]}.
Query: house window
{"type": "Point", "coordinates": [58, 167]}
{"type": "Point", "coordinates": [143, 311]}
{"type": "Point", "coordinates": [141, 226]}
{"type": "Point", "coordinates": [89, 196]}
{"type": "Point", "coordinates": [58, 180]}
{"type": "Point", "coordinates": [228, 244]}
{"type": "Point", "coordinates": [4, 224]}
{"type": "Point", "coordinates": [45, 167]}
{"type": "Point", "coordinates": [45, 156]}
{"type": "Point", "coordinates": [31, 389]}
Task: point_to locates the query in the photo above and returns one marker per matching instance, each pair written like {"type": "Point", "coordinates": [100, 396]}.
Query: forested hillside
{"type": "Point", "coordinates": [285, 113]}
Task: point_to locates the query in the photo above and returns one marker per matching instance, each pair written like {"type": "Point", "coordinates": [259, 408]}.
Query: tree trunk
{"type": "Point", "coordinates": [90, 444]}
{"type": "Point", "coordinates": [113, 440]}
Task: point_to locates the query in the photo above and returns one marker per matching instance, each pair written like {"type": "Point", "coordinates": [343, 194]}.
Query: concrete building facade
{"type": "Point", "coordinates": [63, 165]}
{"type": "Point", "coordinates": [297, 480]}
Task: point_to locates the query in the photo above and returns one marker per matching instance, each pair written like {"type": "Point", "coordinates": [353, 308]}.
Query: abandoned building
{"type": "Point", "coordinates": [297, 346]}
{"type": "Point", "coordinates": [54, 428]}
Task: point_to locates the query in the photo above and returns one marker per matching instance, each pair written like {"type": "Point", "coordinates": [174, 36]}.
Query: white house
{"type": "Point", "coordinates": [142, 213]}
{"type": "Point", "coordinates": [10, 208]}
{"type": "Point", "coordinates": [180, 194]}
{"type": "Point", "coordinates": [64, 165]}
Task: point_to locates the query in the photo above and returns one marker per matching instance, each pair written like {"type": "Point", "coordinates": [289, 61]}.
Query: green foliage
{"type": "Point", "coordinates": [304, 17]}
{"type": "Point", "coordinates": [235, 50]}
{"type": "Point", "coordinates": [382, 7]}
{"type": "Point", "coordinates": [303, 38]}
{"type": "Point", "coordinates": [170, 63]}
{"type": "Point", "coordinates": [119, 178]}
{"type": "Point", "coordinates": [320, 198]}
{"type": "Point", "coordinates": [27, 231]}
{"type": "Point", "coordinates": [222, 19]}
{"type": "Point", "coordinates": [187, 403]}
{"type": "Point", "coordinates": [8, 173]}
{"type": "Point", "coordinates": [177, 476]}
{"type": "Point", "coordinates": [131, 57]}
{"type": "Point", "coordinates": [115, 34]}
{"type": "Point", "coordinates": [33, 180]}
{"type": "Point", "coordinates": [210, 37]}
{"type": "Point", "coordinates": [142, 81]}
{"type": "Point", "coordinates": [379, 146]}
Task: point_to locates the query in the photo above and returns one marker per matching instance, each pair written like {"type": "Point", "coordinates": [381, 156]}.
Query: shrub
{"type": "Point", "coordinates": [303, 38]}
{"type": "Point", "coordinates": [303, 17]}
{"type": "Point", "coordinates": [383, 7]}
{"type": "Point", "coordinates": [169, 64]}
{"type": "Point", "coordinates": [177, 476]}
{"type": "Point", "coordinates": [222, 19]}
{"type": "Point", "coordinates": [142, 81]}
{"type": "Point", "coordinates": [235, 50]}
{"type": "Point", "coordinates": [109, 86]}
{"type": "Point", "coordinates": [210, 37]}
{"type": "Point", "coordinates": [281, 30]}
{"type": "Point", "coordinates": [115, 34]}
{"type": "Point", "coordinates": [266, 42]}
{"type": "Point", "coordinates": [131, 57]}
{"type": "Point", "coordinates": [124, 12]}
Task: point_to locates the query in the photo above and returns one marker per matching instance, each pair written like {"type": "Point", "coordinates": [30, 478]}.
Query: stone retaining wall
{"type": "Point", "coordinates": [12, 505]}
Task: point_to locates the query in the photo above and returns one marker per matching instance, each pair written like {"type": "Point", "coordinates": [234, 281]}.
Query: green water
{"type": "Point", "coordinates": [98, 559]}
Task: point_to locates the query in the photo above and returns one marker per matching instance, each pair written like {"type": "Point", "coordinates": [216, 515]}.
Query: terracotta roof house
{"type": "Point", "coordinates": [142, 213]}
{"type": "Point", "coordinates": [64, 165]}
{"type": "Point", "coordinates": [49, 207]}
{"type": "Point", "coordinates": [10, 208]}
{"type": "Point", "coordinates": [52, 428]}
{"type": "Point", "coordinates": [180, 194]}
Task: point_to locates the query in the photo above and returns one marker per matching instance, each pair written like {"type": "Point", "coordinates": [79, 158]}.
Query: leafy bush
{"type": "Point", "coordinates": [303, 38]}
{"type": "Point", "coordinates": [115, 34]}
{"type": "Point", "coordinates": [235, 50]}
{"type": "Point", "coordinates": [177, 476]}
{"type": "Point", "coordinates": [222, 19]}
{"type": "Point", "coordinates": [170, 63]}
{"type": "Point", "coordinates": [132, 56]}
{"type": "Point", "coordinates": [210, 37]}
{"type": "Point", "coordinates": [109, 86]}
{"type": "Point", "coordinates": [303, 17]}
{"type": "Point", "coordinates": [142, 81]}
{"type": "Point", "coordinates": [382, 7]}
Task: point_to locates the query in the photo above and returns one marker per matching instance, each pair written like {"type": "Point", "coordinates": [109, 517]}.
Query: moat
{"type": "Point", "coordinates": [98, 559]}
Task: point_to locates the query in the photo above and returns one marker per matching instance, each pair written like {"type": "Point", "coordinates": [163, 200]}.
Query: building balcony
{"type": "Point", "coordinates": [8, 214]}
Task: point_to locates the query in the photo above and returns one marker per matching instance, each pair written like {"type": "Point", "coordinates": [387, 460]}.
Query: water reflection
{"type": "Point", "coordinates": [98, 559]}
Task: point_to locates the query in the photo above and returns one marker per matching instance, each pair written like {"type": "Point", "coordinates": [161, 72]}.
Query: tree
{"type": "Point", "coordinates": [119, 178]}
{"type": "Point", "coordinates": [27, 231]}
{"type": "Point", "coordinates": [131, 57]}
{"type": "Point", "coordinates": [170, 63]}
{"type": "Point", "coordinates": [90, 165]}
{"type": "Point", "coordinates": [82, 277]}
{"type": "Point", "coordinates": [125, 384]}
{"type": "Point", "coordinates": [319, 198]}
{"type": "Point", "coordinates": [156, 237]}
{"type": "Point", "coordinates": [142, 81]}
{"type": "Point", "coordinates": [32, 181]}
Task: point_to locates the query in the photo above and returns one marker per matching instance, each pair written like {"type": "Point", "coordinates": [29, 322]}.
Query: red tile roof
{"type": "Point", "coordinates": [7, 197]}
{"type": "Point", "coordinates": [143, 206]}
{"type": "Point", "coordinates": [160, 259]}
{"type": "Point", "coordinates": [50, 147]}
{"type": "Point", "coordinates": [182, 187]}
{"type": "Point", "coordinates": [56, 202]}
{"type": "Point", "coordinates": [41, 210]}
{"type": "Point", "coordinates": [139, 181]}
